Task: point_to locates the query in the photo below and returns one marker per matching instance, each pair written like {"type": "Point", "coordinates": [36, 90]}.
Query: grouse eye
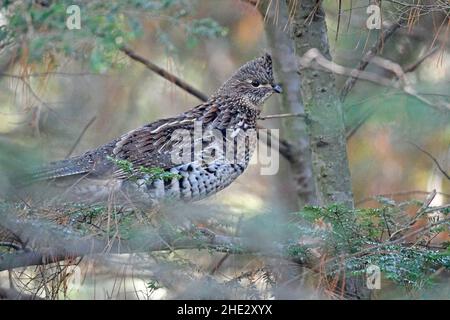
{"type": "Point", "coordinates": [255, 83]}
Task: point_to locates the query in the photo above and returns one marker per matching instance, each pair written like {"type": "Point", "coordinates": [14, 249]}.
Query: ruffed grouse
{"type": "Point", "coordinates": [227, 122]}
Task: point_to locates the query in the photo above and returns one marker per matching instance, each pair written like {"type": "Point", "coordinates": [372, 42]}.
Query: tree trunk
{"type": "Point", "coordinates": [294, 129]}
{"type": "Point", "coordinates": [325, 118]}
{"type": "Point", "coordinates": [325, 149]}
{"type": "Point", "coordinates": [308, 30]}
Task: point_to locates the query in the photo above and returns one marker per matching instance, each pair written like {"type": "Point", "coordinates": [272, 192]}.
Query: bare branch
{"type": "Point", "coordinates": [376, 48]}
{"type": "Point", "coordinates": [438, 165]}
{"type": "Point", "coordinates": [420, 212]}
{"type": "Point", "coordinates": [13, 294]}
{"type": "Point", "coordinates": [81, 136]}
{"type": "Point", "coordinates": [52, 73]}
{"type": "Point", "coordinates": [165, 74]}
{"type": "Point", "coordinates": [52, 243]}
{"type": "Point", "coordinates": [401, 193]}
{"type": "Point", "coordinates": [393, 241]}
{"type": "Point", "coordinates": [408, 69]}
{"type": "Point", "coordinates": [282, 115]}
{"type": "Point", "coordinates": [313, 55]}
{"type": "Point", "coordinates": [416, 64]}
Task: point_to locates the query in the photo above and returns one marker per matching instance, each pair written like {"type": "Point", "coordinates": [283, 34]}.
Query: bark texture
{"type": "Point", "coordinates": [294, 129]}
{"type": "Point", "coordinates": [324, 152]}
{"type": "Point", "coordinates": [325, 118]}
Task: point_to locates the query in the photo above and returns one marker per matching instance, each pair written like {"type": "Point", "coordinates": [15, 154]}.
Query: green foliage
{"type": "Point", "coordinates": [148, 174]}
{"type": "Point", "coordinates": [362, 237]}
{"type": "Point", "coordinates": [350, 228]}
{"type": "Point", "coordinates": [207, 28]}
{"type": "Point", "coordinates": [154, 285]}
{"type": "Point", "coordinates": [105, 27]}
{"type": "Point", "coordinates": [124, 165]}
{"type": "Point", "coordinates": [158, 173]}
{"type": "Point", "coordinates": [411, 267]}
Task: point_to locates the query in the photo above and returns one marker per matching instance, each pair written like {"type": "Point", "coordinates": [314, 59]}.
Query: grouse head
{"type": "Point", "coordinates": [252, 83]}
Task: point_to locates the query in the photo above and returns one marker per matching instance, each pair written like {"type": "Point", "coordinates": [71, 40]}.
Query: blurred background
{"type": "Point", "coordinates": [57, 85]}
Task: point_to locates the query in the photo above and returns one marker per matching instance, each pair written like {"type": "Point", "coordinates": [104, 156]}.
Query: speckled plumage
{"type": "Point", "coordinates": [230, 113]}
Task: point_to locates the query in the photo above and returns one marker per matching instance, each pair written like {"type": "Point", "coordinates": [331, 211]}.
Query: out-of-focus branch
{"type": "Point", "coordinates": [27, 84]}
{"type": "Point", "coordinates": [363, 63]}
{"type": "Point", "coordinates": [374, 50]}
{"type": "Point", "coordinates": [282, 115]}
{"type": "Point", "coordinates": [284, 147]}
{"type": "Point", "coordinates": [398, 194]}
{"type": "Point", "coordinates": [429, 155]}
{"type": "Point", "coordinates": [8, 55]}
{"type": "Point", "coordinates": [438, 6]}
{"type": "Point", "coordinates": [415, 65]}
{"type": "Point", "coordinates": [83, 247]}
{"type": "Point", "coordinates": [351, 131]}
{"type": "Point", "coordinates": [426, 204]}
{"type": "Point", "coordinates": [401, 240]}
{"type": "Point", "coordinates": [50, 243]}
{"type": "Point", "coordinates": [350, 83]}
{"type": "Point", "coordinates": [80, 136]}
{"type": "Point", "coordinates": [313, 55]}
{"type": "Point", "coordinates": [13, 294]}
{"type": "Point", "coordinates": [165, 74]}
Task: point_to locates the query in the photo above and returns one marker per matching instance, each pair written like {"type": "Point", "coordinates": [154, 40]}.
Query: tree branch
{"type": "Point", "coordinates": [363, 63]}
{"type": "Point", "coordinates": [401, 193]}
{"type": "Point", "coordinates": [165, 74]}
{"type": "Point", "coordinates": [52, 243]}
{"type": "Point", "coordinates": [13, 294]}
{"type": "Point", "coordinates": [415, 65]}
{"type": "Point", "coordinates": [80, 136]}
{"type": "Point", "coordinates": [283, 115]}
{"type": "Point", "coordinates": [438, 165]}
{"type": "Point", "coordinates": [306, 61]}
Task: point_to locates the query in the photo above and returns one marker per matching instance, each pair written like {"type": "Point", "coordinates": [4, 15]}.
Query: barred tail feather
{"type": "Point", "coordinates": [49, 173]}
{"type": "Point", "coordinates": [59, 169]}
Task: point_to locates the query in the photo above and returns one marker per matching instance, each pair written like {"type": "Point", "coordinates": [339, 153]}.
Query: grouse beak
{"type": "Point", "coordinates": [277, 88]}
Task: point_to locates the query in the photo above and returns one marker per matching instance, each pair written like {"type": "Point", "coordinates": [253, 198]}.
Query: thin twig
{"type": "Point", "coordinates": [376, 48]}
{"type": "Point", "coordinates": [314, 55]}
{"type": "Point", "coordinates": [420, 212]}
{"type": "Point", "coordinates": [165, 74]}
{"type": "Point", "coordinates": [81, 136]}
{"type": "Point", "coordinates": [31, 90]}
{"type": "Point", "coordinates": [408, 69]}
{"type": "Point", "coordinates": [415, 65]}
{"type": "Point", "coordinates": [393, 242]}
{"type": "Point", "coordinates": [401, 193]}
{"type": "Point", "coordinates": [219, 264]}
{"type": "Point", "coordinates": [438, 165]}
{"type": "Point", "coordinates": [13, 294]}
{"type": "Point", "coordinates": [282, 115]}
